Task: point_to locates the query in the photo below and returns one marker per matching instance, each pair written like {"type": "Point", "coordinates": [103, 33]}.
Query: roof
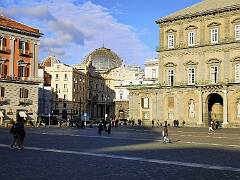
{"type": "Point", "coordinates": [9, 23]}
{"type": "Point", "coordinates": [204, 7]}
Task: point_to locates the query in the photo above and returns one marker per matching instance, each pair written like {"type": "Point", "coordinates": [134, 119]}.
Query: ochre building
{"type": "Point", "coordinates": [199, 68]}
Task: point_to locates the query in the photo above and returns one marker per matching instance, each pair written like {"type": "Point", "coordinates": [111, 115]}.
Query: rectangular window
{"type": "Point", "coordinates": [214, 35]}
{"type": "Point", "coordinates": [65, 86]}
{"type": "Point", "coordinates": [56, 86]}
{"type": "Point", "coordinates": [170, 41]}
{"type": "Point", "coordinates": [154, 73]}
{"type": "Point", "coordinates": [237, 73]}
{"type": "Point", "coordinates": [237, 32]}
{"type": "Point", "coordinates": [21, 71]}
{"type": "Point", "coordinates": [191, 76]}
{"type": "Point", "coordinates": [23, 93]}
{"type": "Point", "coordinates": [170, 77]}
{"type": "Point", "coordinates": [191, 39]}
{"type": "Point", "coordinates": [145, 102]}
{"type": "Point", "coordinates": [214, 74]}
{"type": "Point", "coordinates": [145, 115]}
{"type": "Point", "coordinates": [56, 77]}
{"type": "Point", "coordinates": [65, 77]}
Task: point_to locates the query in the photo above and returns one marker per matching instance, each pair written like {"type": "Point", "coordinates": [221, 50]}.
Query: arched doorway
{"type": "Point", "coordinates": [121, 114]}
{"type": "Point", "coordinates": [215, 108]}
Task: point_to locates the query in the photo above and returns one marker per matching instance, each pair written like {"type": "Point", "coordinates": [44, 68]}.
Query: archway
{"type": "Point", "coordinates": [215, 108]}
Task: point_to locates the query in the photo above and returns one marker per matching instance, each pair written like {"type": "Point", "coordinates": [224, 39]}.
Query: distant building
{"type": "Point", "coordinates": [19, 81]}
{"type": "Point", "coordinates": [69, 96]}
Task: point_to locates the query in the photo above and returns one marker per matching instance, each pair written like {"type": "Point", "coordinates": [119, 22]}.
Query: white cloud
{"type": "Point", "coordinates": [73, 30]}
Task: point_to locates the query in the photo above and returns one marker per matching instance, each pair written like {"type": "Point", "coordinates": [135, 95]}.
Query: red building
{"type": "Point", "coordinates": [19, 45]}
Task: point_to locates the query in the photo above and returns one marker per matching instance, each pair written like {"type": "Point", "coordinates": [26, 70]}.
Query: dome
{"type": "Point", "coordinates": [103, 59]}
{"type": "Point", "coordinates": [50, 60]}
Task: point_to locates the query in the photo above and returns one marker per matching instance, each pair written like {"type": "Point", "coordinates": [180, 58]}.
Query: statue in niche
{"type": "Point", "coordinates": [191, 110]}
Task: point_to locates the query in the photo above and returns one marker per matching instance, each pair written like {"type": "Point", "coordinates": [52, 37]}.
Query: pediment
{"type": "Point", "coordinates": [170, 64]}
{"type": "Point", "coordinates": [213, 24]}
{"type": "Point", "coordinates": [235, 21]}
{"type": "Point", "coordinates": [191, 27]}
{"type": "Point", "coordinates": [236, 59]}
{"type": "Point", "coordinates": [214, 61]}
{"type": "Point", "coordinates": [190, 63]}
{"type": "Point", "coordinates": [171, 31]}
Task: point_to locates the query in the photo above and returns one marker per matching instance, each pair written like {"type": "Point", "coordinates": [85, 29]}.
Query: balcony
{"type": "Point", "coordinates": [25, 101]}
{"type": "Point", "coordinates": [25, 53]}
{"type": "Point", "coordinates": [5, 50]}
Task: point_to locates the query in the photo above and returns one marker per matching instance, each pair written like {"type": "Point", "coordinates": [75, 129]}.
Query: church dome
{"type": "Point", "coordinates": [103, 59]}
{"type": "Point", "coordinates": [49, 61]}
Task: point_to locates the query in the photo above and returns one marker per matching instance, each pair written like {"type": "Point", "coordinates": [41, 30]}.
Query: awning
{"type": "Point", "coordinates": [1, 114]}
{"type": "Point", "coordinates": [22, 114]}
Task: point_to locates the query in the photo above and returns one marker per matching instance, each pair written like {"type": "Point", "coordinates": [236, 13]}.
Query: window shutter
{"type": "Point", "coordinates": [142, 102]}
{"type": "Point", "coordinates": [5, 69]}
{"type": "Point", "coordinates": [20, 95]}
{"type": "Point", "coordinates": [2, 91]}
{"type": "Point", "coordinates": [26, 45]}
{"type": "Point", "coordinates": [4, 42]}
{"type": "Point", "coordinates": [26, 72]}
{"type": "Point", "coordinates": [26, 93]}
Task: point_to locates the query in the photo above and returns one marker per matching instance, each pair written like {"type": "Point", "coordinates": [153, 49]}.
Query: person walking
{"type": "Point", "coordinates": [165, 135]}
{"type": "Point", "coordinates": [152, 123]}
{"type": "Point", "coordinates": [211, 126]}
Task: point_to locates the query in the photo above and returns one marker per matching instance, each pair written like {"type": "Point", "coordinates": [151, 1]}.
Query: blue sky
{"type": "Point", "coordinates": [74, 28]}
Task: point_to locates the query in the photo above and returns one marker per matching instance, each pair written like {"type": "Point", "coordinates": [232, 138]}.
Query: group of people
{"type": "Point", "coordinates": [213, 125]}
{"type": "Point", "coordinates": [18, 133]}
{"type": "Point", "coordinates": [104, 125]}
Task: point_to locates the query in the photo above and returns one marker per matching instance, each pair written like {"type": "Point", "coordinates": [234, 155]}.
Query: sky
{"type": "Point", "coordinates": [74, 28]}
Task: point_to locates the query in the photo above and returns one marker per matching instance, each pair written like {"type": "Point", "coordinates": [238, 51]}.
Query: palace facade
{"type": "Point", "coordinates": [19, 81]}
{"type": "Point", "coordinates": [199, 68]}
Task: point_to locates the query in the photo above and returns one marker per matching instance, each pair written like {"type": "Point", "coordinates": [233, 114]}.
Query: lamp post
{"type": "Point", "coordinates": [106, 98]}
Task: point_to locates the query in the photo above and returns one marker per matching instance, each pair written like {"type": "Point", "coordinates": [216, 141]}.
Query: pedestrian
{"type": "Point", "coordinates": [19, 133]}
{"type": "Point", "coordinates": [152, 123]}
{"type": "Point", "coordinates": [100, 127]}
{"type": "Point", "coordinates": [165, 135]}
{"type": "Point", "coordinates": [211, 126]}
{"type": "Point", "coordinates": [158, 123]}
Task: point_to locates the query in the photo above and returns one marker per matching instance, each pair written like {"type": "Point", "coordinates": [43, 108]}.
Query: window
{"type": "Point", "coordinates": [170, 41]}
{"type": "Point", "coordinates": [65, 86]}
{"type": "Point", "coordinates": [23, 71]}
{"type": "Point", "coordinates": [64, 105]}
{"type": "Point", "coordinates": [237, 73]}
{"type": "Point", "coordinates": [154, 73]}
{"type": "Point", "coordinates": [145, 115]}
{"type": "Point", "coordinates": [214, 35]}
{"type": "Point", "coordinates": [3, 68]}
{"type": "Point", "coordinates": [214, 74]}
{"type": "Point", "coordinates": [2, 89]}
{"type": "Point", "coordinates": [3, 43]}
{"type": "Point", "coordinates": [65, 76]}
{"type": "Point", "coordinates": [23, 46]}
{"type": "Point", "coordinates": [121, 95]}
{"type": "Point", "coordinates": [145, 102]}
{"type": "Point", "coordinates": [237, 32]}
{"type": "Point", "coordinates": [191, 39]}
{"type": "Point", "coordinates": [64, 96]}
{"type": "Point", "coordinates": [170, 77]}
{"type": "Point", "coordinates": [191, 76]}
{"type": "Point", "coordinates": [56, 77]}
{"type": "Point", "coordinates": [23, 93]}
{"type": "Point", "coordinates": [56, 86]}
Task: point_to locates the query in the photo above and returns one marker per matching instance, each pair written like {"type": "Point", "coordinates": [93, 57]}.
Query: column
{"type": "Point", "coordinates": [11, 69]}
{"type": "Point", "coordinates": [225, 107]}
{"type": "Point", "coordinates": [200, 110]}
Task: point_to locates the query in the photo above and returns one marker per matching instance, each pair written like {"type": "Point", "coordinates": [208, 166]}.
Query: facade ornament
{"type": "Point", "coordinates": [191, 110]}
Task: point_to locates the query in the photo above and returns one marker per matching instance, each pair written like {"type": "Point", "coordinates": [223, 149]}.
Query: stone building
{"type": "Point", "coordinates": [199, 68]}
{"type": "Point", "coordinates": [68, 86]}
{"type": "Point", "coordinates": [19, 81]}
{"type": "Point", "coordinates": [97, 65]}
